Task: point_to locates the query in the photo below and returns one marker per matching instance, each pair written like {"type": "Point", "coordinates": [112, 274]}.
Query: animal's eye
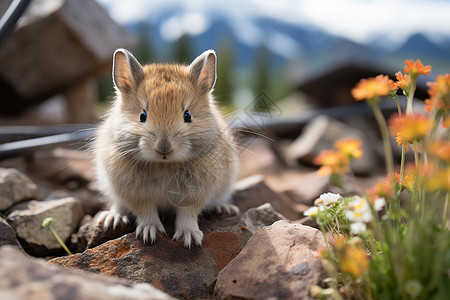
{"type": "Point", "coordinates": [187, 116]}
{"type": "Point", "coordinates": [143, 116]}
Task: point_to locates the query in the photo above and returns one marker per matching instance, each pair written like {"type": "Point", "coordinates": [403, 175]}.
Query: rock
{"type": "Point", "coordinates": [302, 187]}
{"type": "Point", "coordinates": [278, 263]}
{"type": "Point", "coordinates": [321, 134]}
{"type": "Point", "coordinates": [26, 218]}
{"type": "Point", "coordinates": [253, 191]}
{"type": "Point", "coordinates": [256, 156]}
{"type": "Point", "coordinates": [7, 235]}
{"type": "Point", "coordinates": [14, 188]}
{"type": "Point", "coordinates": [166, 264]}
{"type": "Point", "coordinates": [89, 235]}
{"type": "Point", "coordinates": [24, 278]}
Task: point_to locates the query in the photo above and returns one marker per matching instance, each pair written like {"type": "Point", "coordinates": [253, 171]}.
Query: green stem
{"type": "Point", "coordinates": [409, 103]}
{"type": "Point", "coordinates": [59, 240]}
{"type": "Point", "coordinates": [385, 136]}
{"type": "Point", "coordinates": [402, 161]}
{"type": "Point", "coordinates": [446, 213]}
{"type": "Point", "coordinates": [399, 108]}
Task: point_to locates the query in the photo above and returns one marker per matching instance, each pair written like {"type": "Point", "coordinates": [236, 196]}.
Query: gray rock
{"type": "Point", "coordinates": [320, 134]}
{"type": "Point", "coordinates": [26, 218]}
{"type": "Point", "coordinates": [166, 264]}
{"type": "Point", "coordinates": [14, 187]}
{"type": "Point", "coordinates": [253, 191]}
{"type": "Point", "coordinates": [278, 262]}
{"type": "Point", "coordinates": [26, 278]}
{"type": "Point", "coordinates": [7, 236]}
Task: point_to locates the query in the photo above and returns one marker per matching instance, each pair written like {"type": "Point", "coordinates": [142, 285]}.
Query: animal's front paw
{"type": "Point", "coordinates": [229, 209]}
{"type": "Point", "coordinates": [189, 233]}
{"type": "Point", "coordinates": [149, 231]}
{"type": "Point", "coordinates": [113, 218]}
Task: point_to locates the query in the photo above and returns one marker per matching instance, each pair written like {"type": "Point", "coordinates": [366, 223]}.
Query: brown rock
{"type": "Point", "coordinates": [278, 262]}
{"type": "Point", "coordinates": [90, 235]}
{"type": "Point", "coordinates": [301, 187]}
{"type": "Point", "coordinates": [14, 187]}
{"type": "Point", "coordinates": [253, 191]}
{"type": "Point", "coordinates": [256, 156]}
{"type": "Point", "coordinates": [25, 278]}
{"type": "Point", "coordinates": [26, 218]}
{"type": "Point", "coordinates": [166, 264]}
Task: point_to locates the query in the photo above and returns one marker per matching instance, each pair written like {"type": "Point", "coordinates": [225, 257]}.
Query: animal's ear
{"type": "Point", "coordinates": [203, 70]}
{"type": "Point", "coordinates": [127, 71]}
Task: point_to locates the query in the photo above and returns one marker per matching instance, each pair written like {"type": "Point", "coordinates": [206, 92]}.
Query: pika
{"type": "Point", "coordinates": [164, 145]}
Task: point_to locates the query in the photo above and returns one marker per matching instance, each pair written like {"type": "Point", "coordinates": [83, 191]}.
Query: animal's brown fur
{"type": "Point", "coordinates": [164, 162]}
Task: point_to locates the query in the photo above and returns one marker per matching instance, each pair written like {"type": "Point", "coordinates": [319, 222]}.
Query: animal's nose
{"type": "Point", "coordinates": [164, 147]}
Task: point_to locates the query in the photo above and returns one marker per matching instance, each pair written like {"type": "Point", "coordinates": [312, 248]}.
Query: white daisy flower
{"type": "Point", "coordinates": [413, 288]}
{"type": "Point", "coordinates": [379, 204]}
{"type": "Point", "coordinates": [358, 210]}
{"type": "Point", "coordinates": [312, 211]}
{"type": "Point", "coordinates": [358, 227]}
{"type": "Point", "coordinates": [329, 198]}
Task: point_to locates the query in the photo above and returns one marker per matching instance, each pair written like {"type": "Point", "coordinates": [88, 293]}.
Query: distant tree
{"type": "Point", "coordinates": [261, 76]}
{"type": "Point", "coordinates": [182, 52]}
{"type": "Point", "coordinates": [225, 62]}
{"type": "Point", "coordinates": [143, 52]}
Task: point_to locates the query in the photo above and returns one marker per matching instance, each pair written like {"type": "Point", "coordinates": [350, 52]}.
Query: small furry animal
{"type": "Point", "coordinates": [164, 145]}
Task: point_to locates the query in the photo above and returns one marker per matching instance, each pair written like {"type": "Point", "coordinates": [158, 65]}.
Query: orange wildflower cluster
{"type": "Point", "coordinates": [416, 68]}
{"type": "Point", "coordinates": [393, 178]}
{"type": "Point", "coordinates": [403, 81]}
{"type": "Point", "coordinates": [400, 140]}
{"type": "Point", "coordinates": [439, 92]}
{"type": "Point", "coordinates": [440, 150]}
{"type": "Point", "coordinates": [350, 147]}
{"type": "Point", "coordinates": [381, 189]}
{"type": "Point", "coordinates": [367, 89]}
{"type": "Point", "coordinates": [410, 127]}
{"type": "Point", "coordinates": [430, 176]}
{"type": "Point", "coordinates": [438, 180]}
{"type": "Point", "coordinates": [337, 161]}
{"type": "Point", "coordinates": [352, 257]}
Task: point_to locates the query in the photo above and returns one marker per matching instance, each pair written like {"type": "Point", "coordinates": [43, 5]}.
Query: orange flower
{"type": "Point", "coordinates": [367, 89]}
{"type": "Point", "coordinates": [409, 177]}
{"type": "Point", "coordinates": [429, 105]}
{"type": "Point", "coordinates": [440, 88]}
{"type": "Point", "coordinates": [403, 81]}
{"type": "Point", "coordinates": [400, 141]}
{"type": "Point", "coordinates": [446, 122]}
{"type": "Point", "coordinates": [438, 180]}
{"type": "Point", "coordinates": [333, 162]}
{"type": "Point", "coordinates": [349, 147]}
{"type": "Point", "coordinates": [439, 92]}
{"type": "Point", "coordinates": [381, 189]}
{"type": "Point", "coordinates": [409, 182]}
{"type": "Point", "coordinates": [352, 257]}
{"type": "Point", "coordinates": [416, 68]}
{"type": "Point", "coordinates": [393, 178]}
{"type": "Point", "coordinates": [440, 150]}
{"type": "Point", "coordinates": [410, 127]}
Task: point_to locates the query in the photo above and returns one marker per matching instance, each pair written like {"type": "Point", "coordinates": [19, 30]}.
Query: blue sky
{"type": "Point", "coordinates": [358, 20]}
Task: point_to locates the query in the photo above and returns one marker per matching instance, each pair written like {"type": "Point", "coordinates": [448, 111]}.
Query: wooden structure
{"type": "Point", "coordinates": [58, 47]}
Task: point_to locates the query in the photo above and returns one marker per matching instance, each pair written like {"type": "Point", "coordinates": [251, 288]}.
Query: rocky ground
{"type": "Point", "coordinates": [265, 252]}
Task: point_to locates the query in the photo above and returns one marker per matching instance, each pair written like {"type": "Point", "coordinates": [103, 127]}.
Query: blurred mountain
{"type": "Point", "coordinates": [419, 45]}
{"type": "Point", "coordinates": [285, 42]}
